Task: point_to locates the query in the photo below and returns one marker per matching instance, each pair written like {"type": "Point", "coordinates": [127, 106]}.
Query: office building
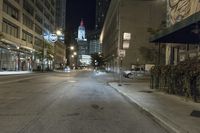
{"type": "Point", "coordinates": [134, 17]}
{"type": "Point", "coordinates": [61, 18]}
{"type": "Point", "coordinates": [101, 11]}
{"type": "Point", "coordinates": [25, 29]}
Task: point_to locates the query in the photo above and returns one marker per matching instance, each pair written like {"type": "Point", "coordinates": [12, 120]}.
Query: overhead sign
{"type": "Point", "coordinates": [122, 53]}
{"type": "Point", "coordinates": [126, 36]}
{"type": "Point", "coordinates": [53, 37]}
{"type": "Point", "coordinates": [126, 44]}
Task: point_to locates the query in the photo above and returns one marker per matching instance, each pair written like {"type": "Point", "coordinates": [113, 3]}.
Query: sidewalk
{"type": "Point", "coordinates": [14, 72]}
{"type": "Point", "coordinates": [172, 112]}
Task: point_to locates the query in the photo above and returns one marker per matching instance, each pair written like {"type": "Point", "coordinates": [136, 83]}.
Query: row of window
{"type": "Point", "coordinates": [10, 10]}
{"type": "Point", "coordinates": [27, 37]}
{"type": "Point", "coordinates": [13, 30]}
{"type": "Point", "coordinates": [10, 29]}
{"type": "Point", "coordinates": [14, 13]}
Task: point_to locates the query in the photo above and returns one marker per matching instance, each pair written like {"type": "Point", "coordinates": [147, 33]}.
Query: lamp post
{"type": "Point", "coordinates": [52, 38]}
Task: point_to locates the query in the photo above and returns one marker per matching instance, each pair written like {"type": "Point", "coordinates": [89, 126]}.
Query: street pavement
{"type": "Point", "coordinates": [177, 114]}
{"type": "Point", "coordinates": [68, 102]}
{"type": "Point", "coordinates": [14, 72]}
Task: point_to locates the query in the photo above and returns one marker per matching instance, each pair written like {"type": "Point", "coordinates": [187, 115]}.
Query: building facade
{"type": "Point", "coordinates": [83, 47]}
{"type": "Point", "coordinates": [60, 55]}
{"type": "Point", "coordinates": [61, 18]}
{"type": "Point", "coordinates": [24, 27]}
{"type": "Point", "coordinates": [177, 11]}
{"type": "Point", "coordinates": [94, 47]}
{"type": "Point", "coordinates": [101, 11]}
{"type": "Point", "coordinates": [131, 16]}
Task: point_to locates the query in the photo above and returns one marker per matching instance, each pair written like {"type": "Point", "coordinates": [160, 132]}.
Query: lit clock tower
{"type": "Point", "coordinates": [81, 31]}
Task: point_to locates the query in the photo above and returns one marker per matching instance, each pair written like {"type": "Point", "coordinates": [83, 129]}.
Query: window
{"type": "Point", "coordinates": [38, 29]}
{"type": "Point", "coordinates": [27, 37]}
{"type": "Point", "coordinates": [38, 42]}
{"type": "Point", "coordinates": [10, 10]}
{"type": "Point", "coordinates": [27, 21]}
{"type": "Point", "coordinates": [39, 5]}
{"type": "Point", "coordinates": [47, 4]}
{"type": "Point", "coordinates": [10, 28]}
{"type": "Point", "coordinates": [38, 18]}
{"type": "Point", "coordinates": [17, 1]}
{"type": "Point", "coordinates": [28, 7]}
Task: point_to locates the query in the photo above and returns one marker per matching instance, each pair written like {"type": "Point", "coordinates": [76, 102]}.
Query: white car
{"type": "Point", "coordinates": [67, 69]}
{"type": "Point", "coordinates": [134, 73]}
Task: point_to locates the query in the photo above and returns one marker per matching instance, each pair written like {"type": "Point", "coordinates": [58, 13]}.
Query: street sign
{"type": "Point", "coordinates": [126, 36]}
{"type": "Point", "coordinates": [122, 53]}
{"type": "Point", "coordinates": [53, 38]}
{"type": "Point", "coordinates": [126, 44]}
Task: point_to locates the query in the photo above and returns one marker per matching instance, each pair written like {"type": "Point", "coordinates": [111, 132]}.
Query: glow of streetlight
{"type": "Point", "coordinates": [59, 32]}
{"type": "Point", "coordinates": [72, 47]}
{"type": "Point", "coordinates": [75, 53]}
{"type": "Point", "coordinates": [72, 56]}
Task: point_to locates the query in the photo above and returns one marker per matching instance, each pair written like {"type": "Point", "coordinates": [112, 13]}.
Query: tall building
{"type": "Point", "coordinates": [61, 17]}
{"type": "Point", "coordinates": [81, 32]}
{"type": "Point", "coordinates": [101, 11]}
{"type": "Point", "coordinates": [94, 44]}
{"type": "Point", "coordinates": [94, 47]}
{"type": "Point", "coordinates": [134, 17]}
{"type": "Point", "coordinates": [83, 48]}
{"type": "Point", "coordinates": [60, 47]}
{"type": "Point", "coordinates": [24, 27]}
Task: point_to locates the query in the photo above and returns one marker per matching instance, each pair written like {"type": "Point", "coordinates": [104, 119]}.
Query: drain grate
{"type": "Point", "coordinates": [195, 113]}
{"type": "Point", "coordinates": [146, 91]}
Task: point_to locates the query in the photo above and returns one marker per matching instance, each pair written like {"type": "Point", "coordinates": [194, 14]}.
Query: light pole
{"type": "Point", "coordinates": [53, 38]}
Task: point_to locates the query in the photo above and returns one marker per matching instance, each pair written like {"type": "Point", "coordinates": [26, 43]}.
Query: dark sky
{"type": "Point", "coordinates": [81, 9]}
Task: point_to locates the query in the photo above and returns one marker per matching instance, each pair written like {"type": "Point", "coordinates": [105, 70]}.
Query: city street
{"type": "Point", "coordinates": [61, 102]}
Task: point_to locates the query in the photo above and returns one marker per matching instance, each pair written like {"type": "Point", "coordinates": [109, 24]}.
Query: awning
{"type": "Point", "coordinates": [186, 31]}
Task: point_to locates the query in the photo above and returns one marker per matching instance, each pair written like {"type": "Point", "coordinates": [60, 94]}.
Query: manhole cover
{"type": "Point", "coordinates": [94, 106]}
{"type": "Point", "coordinates": [146, 91]}
{"type": "Point", "coordinates": [195, 113]}
{"type": "Point", "coordinates": [73, 114]}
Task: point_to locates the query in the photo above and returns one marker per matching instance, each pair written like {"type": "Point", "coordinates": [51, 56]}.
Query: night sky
{"type": "Point", "coordinates": [81, 9]}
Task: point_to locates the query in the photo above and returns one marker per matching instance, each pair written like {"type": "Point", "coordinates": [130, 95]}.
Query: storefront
{"type": "Point", "coordinates": [14, 58]}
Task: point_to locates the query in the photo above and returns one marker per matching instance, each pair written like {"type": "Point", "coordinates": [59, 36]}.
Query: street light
{"type": "Point", "coordinates": [72, 48]}
{"type": "Point", "coordinates": [52, 38]}
{"type": "Point", "coordinates": [59, 32]}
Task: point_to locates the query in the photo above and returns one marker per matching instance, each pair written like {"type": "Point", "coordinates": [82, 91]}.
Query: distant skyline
{"type": "Point", "coordinates": [81, 9]}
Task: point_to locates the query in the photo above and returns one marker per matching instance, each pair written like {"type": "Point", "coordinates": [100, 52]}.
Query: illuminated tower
{"type": "Point", "coordinates": [81, 32]}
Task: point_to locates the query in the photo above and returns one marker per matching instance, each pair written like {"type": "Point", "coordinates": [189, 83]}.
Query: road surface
{"type": "Point", "coordinates": [75, 102]}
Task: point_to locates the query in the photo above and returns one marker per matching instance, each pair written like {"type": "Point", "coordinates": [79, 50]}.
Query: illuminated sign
{"type": "Point", "coordinates": [121, 53]}
{"type": "Point", "coordinates": [126, 36]}
{"type": "Point", "coordinates": [53, 37]}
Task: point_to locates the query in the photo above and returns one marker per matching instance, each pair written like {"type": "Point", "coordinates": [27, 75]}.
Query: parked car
{"type": "Point", "coordinates": [134, 72]}
{"type": "Point", "coordinates": [67, 69]}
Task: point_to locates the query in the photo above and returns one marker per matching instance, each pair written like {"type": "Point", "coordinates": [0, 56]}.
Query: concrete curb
{"type": "Point", "coordinates": [164, 122]}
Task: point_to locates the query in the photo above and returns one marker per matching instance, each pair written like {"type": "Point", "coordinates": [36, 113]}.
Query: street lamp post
{"type": "Point", "coordinates": [52, 38]}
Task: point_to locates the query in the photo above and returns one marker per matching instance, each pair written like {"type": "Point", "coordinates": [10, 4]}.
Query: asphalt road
{"type": "Point", "coordinates": [75, 102]}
